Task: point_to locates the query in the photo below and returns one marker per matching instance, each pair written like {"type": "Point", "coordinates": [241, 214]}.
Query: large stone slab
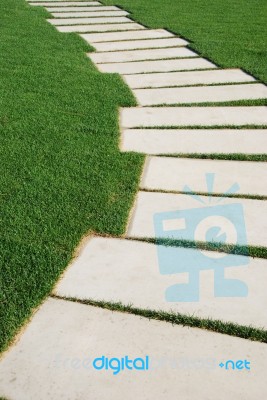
{"type": "Point", "coordinates": [114, 36]}
{"type": "Point", "coordinates": [65, 3]}
{"type": "Point", "coordinates": [202, 94]}
{"type": "Point", "coordinates": [140, 44]}
{"type": "Point", "coordinates": [150, 203]}
{"type": "Point", "coordinates": [80, 8]}
{"type": "Point", "coordinates": [128, 271]}
{"type": "Point", "coordinates": [83, 21]}
{"type": "Point", "coordinates": [187, 78]}
{"type": "Point", "coordinates": [89, 14]}
{"type": "Point", "coordinates": [156, 66]}
{"type": "Point", "coordinates": [53, 359]}
{"type": "Point", "coordinates": [199, 141]}
{"type": "Point", "coordinates": [192, 116]}
{"type": "Point", "coordinates": [138, 55]}
{"type": "Point", "coordinates": [100, 28]}
{"type": "Point", "coordinates": [173, 174]}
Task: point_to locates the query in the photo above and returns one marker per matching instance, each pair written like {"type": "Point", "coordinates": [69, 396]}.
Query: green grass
{"type": "Point", "coordinates": [62, 174]}
{"type": "Point", "coordinates": [231, 33]}
{"type": "Point", "coordinates": [227, 328]}
{"type": "Point", "coordinates": [250, 251]}
{"type": "Point", "coordinates": [218, 156]}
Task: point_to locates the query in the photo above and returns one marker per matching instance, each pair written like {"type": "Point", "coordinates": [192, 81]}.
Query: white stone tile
{"type": "Point", "coordinates": [172, 174]}
{"type": "Point", "coordinates": [81, 21]}
{"type": "Point", "coordinates": [200, 94]}
{"type": "Point", "coordinates": [115, 36]}
{"type": "Point", "coordinates": [187, 78]}
{"type": "Point", "coordinates": [199, 141]}
{"type": "Point", "coordinates": [53, 359]}
{"type": "Point", "coordinates": [128, 271]}
{"type": "Point", "coordinates": [138, 55]}
{"type": "Point", "coordinates": [100, 28]}
{"type": "Point", "coordinates": [156, 66]}
{"type": "Point", "coordinates": [140, 44]}
{"type": "Point", "coordinates": [89, 14]}
{"type": "Point", "coordinates": [80, 8]}
{"type": "Point", "coordinates": [65, 3]}
{"type": "Point", "coordinates": [192, 116]}
{"type": "Point", "coordinates": [150, 203]}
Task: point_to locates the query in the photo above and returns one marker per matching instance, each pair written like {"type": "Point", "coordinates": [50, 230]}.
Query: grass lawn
{"type": "Point", "coordinates": [62, 174]}
{"type": "Point", "coordinates": [231, 33]}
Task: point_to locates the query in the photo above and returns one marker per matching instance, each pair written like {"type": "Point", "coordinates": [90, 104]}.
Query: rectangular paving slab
{"type": "Point", "coordinates": [191, 141]}
{"type": "Point", "coordinates": [89, 14]}
{"type": "Point", "coordinates": [98, 20]}
{"type": "Point", "coordinates": [203, 94]}
{"type": "Point", "coordinates": [150, 203]}
{"type": "Point", "coordinates": [137, 55]}
{"type": "Point", "coordinates": [174, 174]}
{"type": "Point", "coordinates": [58, 347]}
{"type": "Point", "coordinates": [100, 28]}
{"type": "Point", "coordinates": [128, 271]}
{"type": "Point", "coordinates": [121, 36]}
{"type": "Point", "coordinates": [192, 116]}
{"type": "Point", "coordinates": [80, 8]}
{"type": "Point", "coordinates": [66, 3]}
{"type": "Point", "coordinates": [140, 44]}
{"type": "Point", "coordinates": [156, 66]}
{"type": "Point", "coordinates": [187, 78]}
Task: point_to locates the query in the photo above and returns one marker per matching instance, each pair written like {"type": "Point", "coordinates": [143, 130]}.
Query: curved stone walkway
{"type": "Point", "coordinates": [180, 198]}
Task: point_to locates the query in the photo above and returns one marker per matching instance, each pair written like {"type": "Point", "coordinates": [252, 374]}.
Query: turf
{"type": "Point", "coordinates": [227, 328]}
{"type": "Point", "coordinates": [62, 174]}
{"type": "Point", "coordinates": [231, 33]}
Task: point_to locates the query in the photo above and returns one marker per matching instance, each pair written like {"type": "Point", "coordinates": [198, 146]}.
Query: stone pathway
{"type": "Point", "coordinates": [53, 359]}
{"type": "Point", "coordinates": [161, 70]}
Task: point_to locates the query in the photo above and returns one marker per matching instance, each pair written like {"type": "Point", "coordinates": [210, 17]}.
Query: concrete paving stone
{"type": "Point", "coordinates": [100, 28]}
{"type": "Point", "coordinates": [78, 9]}
{"type": "Point", "coordinates": [127, 271]}
{"type": "Point", "coordinates": [187, 78]}
{"type": "Point", "coordinates": [64, 338]}
{"type": "Point", "coordinates": [140, 44]}
{"type": "Point", "coordinates": [172, 174]}
{"type": "Point", "coordinates": [83, 21]}
{"type": "Point", "coordinates": [89, 14]}
{"type": "Point", "coordinates": [115, 36]}
{"type": "Point", "coordinates": [191, 141]}
{"type": "Point", "coordinates": [200, 94]}
{"type": "Point", "coordinates": [150, 203]}
{"type": "Point", "coordinates": [138, 55]}
{"type": "Point", "coordinates": [66, 3]}
{"type": "Point", "coordinates": [192, 116]}
{"type": "Point", "coordinates": [156, 66]}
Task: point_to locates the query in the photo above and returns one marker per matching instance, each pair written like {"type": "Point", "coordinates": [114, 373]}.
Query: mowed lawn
{"type": "Point", "coordinates": [62, 174]}
{"type": "Point", "coordinates": [231, 33]}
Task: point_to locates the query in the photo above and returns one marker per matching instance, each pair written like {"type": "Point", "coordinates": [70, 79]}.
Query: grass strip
{"type": "Point", "coordinates": [249, 251]}
{"type": "Point", "coordinates": [227, 328]}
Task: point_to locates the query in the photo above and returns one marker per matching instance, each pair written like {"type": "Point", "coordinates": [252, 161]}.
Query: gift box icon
{"type": "Point", "coordinates": [214, 224]}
